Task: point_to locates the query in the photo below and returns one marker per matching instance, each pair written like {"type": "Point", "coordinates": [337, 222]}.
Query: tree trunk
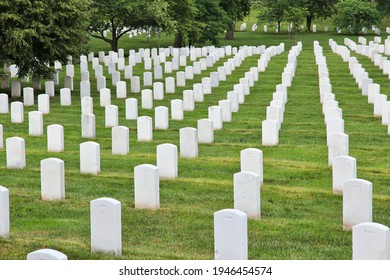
{"type": "Point", "coordinates": [114, 42]}
{"type": "Point", "coordinates": [309, 18]}
{"type": "Point", "coordinates": [178, 42]}
{"type": "Point", "coordinates": [279, 23]}
{"type": "Point", "coordinates": [230, 32]}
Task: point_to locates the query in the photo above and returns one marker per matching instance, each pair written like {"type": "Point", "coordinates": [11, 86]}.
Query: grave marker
{"type": "Point", "coordinates": [247, 193]}
{"type": "Point", "coordinates": [146, 186]}
{"type": "Point", "coordinates": [52, 179]}
{"type": "Point", "coordinates": [232, 246]}
{"type": "Point", "coordinates": [167, 161]}
{"type": "Point", "coordinates": [4, 212]}
{"type": "Point", "coordinates": [370, 241]}
{"type": "Point", "coordinates": [357, 202]}
{"type": "Point", "coordinates": [90, 158]}
{"type": "Point", "coordinates": [16, 153]}
{"type": "Point", "coordinates": [55, 138]}
{"type": "Point", "coordinates": [120, 140]}
{"type": "Point", "coordinates": [144, 128]}
{"type": "Point", "coordinates": [106, 226]}
{"type": "Point", "coordinates": [35, 123]}
{"type": "Point", "coordinates": [188, 142]}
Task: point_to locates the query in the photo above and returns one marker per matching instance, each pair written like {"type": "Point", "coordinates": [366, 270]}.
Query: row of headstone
{"type": "Point", "coordinates": [16, 108]}
{"type": "Point", "coordinates": [370, 240]}
{"type": "Point", "coordinates": [367, 85]}
{"type": "Point", "coordinates": [275, 111]}
{"type": "Point", "coordinates": [357, 193]}
{"type": "Point", "coordinates": [337, 140]}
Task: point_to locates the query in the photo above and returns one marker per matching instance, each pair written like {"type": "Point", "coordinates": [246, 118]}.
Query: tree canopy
{"type": "Point", "coordinates": [353, 15]}
{"type": "Point", "coordinates": [121, 16]}
{"type": "Point", "coordinates": [318, 9]}
{"type": "Point", "coordinates": [35, 33]}
{"type": "Point", "coordinates": [197, 21]}
{"type": "Point", "coordinates": [235, 10]}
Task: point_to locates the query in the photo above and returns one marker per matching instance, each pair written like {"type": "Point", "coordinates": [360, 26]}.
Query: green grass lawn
{"type": "Point", "coordinates": [301, 217]}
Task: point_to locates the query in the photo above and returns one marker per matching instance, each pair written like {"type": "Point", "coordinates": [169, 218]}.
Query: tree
{"type": "Point", "coordinates": [353, 15]}
{"type": "Point", "coordinates": [273, 11]}
{"type": "Point", "coordinates": [295, 16]}
{"type": "Point", "coordinates": [384, 7]}
{"type": "Point", "coordinates": [212, 20]}
{"type": "Point", "coordinates": [236, 10]}
{"type": "Point", "coordinates": [318, 9]}
{"type": "Point", "coordinates": [121, 16]}
{"type": "Point", "coordinates": [197, 21]}
{"type": "Point", "coordinates": [183, 12]}
{"type": "Point", "coordinates": [35, 33]}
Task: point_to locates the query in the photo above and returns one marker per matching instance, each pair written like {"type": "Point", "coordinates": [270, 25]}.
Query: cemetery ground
{"type": "Point", "coordinates": [301, 217]}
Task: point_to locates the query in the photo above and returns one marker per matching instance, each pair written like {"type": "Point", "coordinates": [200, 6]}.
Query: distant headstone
{"type": "Point", "coordinates": [16, 89]}
{"type": "Point", "coordinates": [177, 109]}
{"type": "Point", "coordinates": [55, 138]}
{"type": "Point", "coordinates": [65, 97]}
{"type": "Point", "coordinates": [44, 103]}
{"type": "Point", "coordinates": [247, 193]}
{"type": "Point", "coordinates": [50, 88]}
{"type": "Point", "coordinates": [147, 186]}
{"type": "Point", "coordinates": [16, 153]}
{"type": "Point", "coordinates": [111, 115]}
{"type": "Point", "coordinates": [357, 203]}
{"type": "Point", "coordinates": [198, 92]}
{"type": "Point", "coordinates": [86, 105]}
{"type": "Point", "coordinates": [131, 109]}
{"type": "Point", "coordinates": [135, 84]}
{"type": "Point", "coordinates": [226, 110]}
{"type": "Point", "coordinates": [188, 100]}
{"type": "Point", "coordinates": [35, 123]}
{"type": "Point", "coordinates": [88, 126]}
{"type": "Point", "coordinates": [161, 120]}
{"type": "Point", "coordinates": [251, 160]}
{"type": "Point", "coordinates": [215, 114]}
{"type": "Point", "coordinates": [105, 97]}
{"type": "Point", "coordinates": [28, 96]}
{"type": "Point", "coordinates": [144, 128]}
{"type": "Point", "coordinates": [158, 91]}
{"type": "Point", "coordinates": [170, 85]}
{"type": "Point", "coordinates": [85, 89]}
{"type": "Point", "coordinates": [121, 89]}
{"type": "Point", "coordinates": [120, 140]}
{"type": "Point", "coordinates": [232, 96]}
{"type": "Point", "coordinates": [52, 179]}
{"type": "Point", "coordinates": [4, 104]}
{"type": "Point", "coordinates": [17, 112]}
{"type": "Point", "coordinates": [90, 158]}
{"type": "Point", "coordinates": [338, 146]}
{"type": "Point", "coordinates": [205, 131]}
{"type": "Point", "coordinates": [188, 142]}
{"type": "Point", "coordinates": [343, 169]}
{"type": "Point", "coordinates": [167, 161]}
{"type": "Point", "coordinates": [270, 133]}
{"type": "Point", "coordinates": [180, 79]}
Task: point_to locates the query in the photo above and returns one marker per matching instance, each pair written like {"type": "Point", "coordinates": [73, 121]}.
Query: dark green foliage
{"type": "Point", "coordinates": [121, 16]}
{"type": "Point", "coordinates": [353, 15]}
{"type": "Point", "coordinates": [236, 10]}
{"type": "Point", "coordinates": [34, 33]}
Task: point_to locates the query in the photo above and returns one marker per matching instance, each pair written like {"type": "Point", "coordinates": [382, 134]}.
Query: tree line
{"type": "Point", "coordinates": [35, 33]}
